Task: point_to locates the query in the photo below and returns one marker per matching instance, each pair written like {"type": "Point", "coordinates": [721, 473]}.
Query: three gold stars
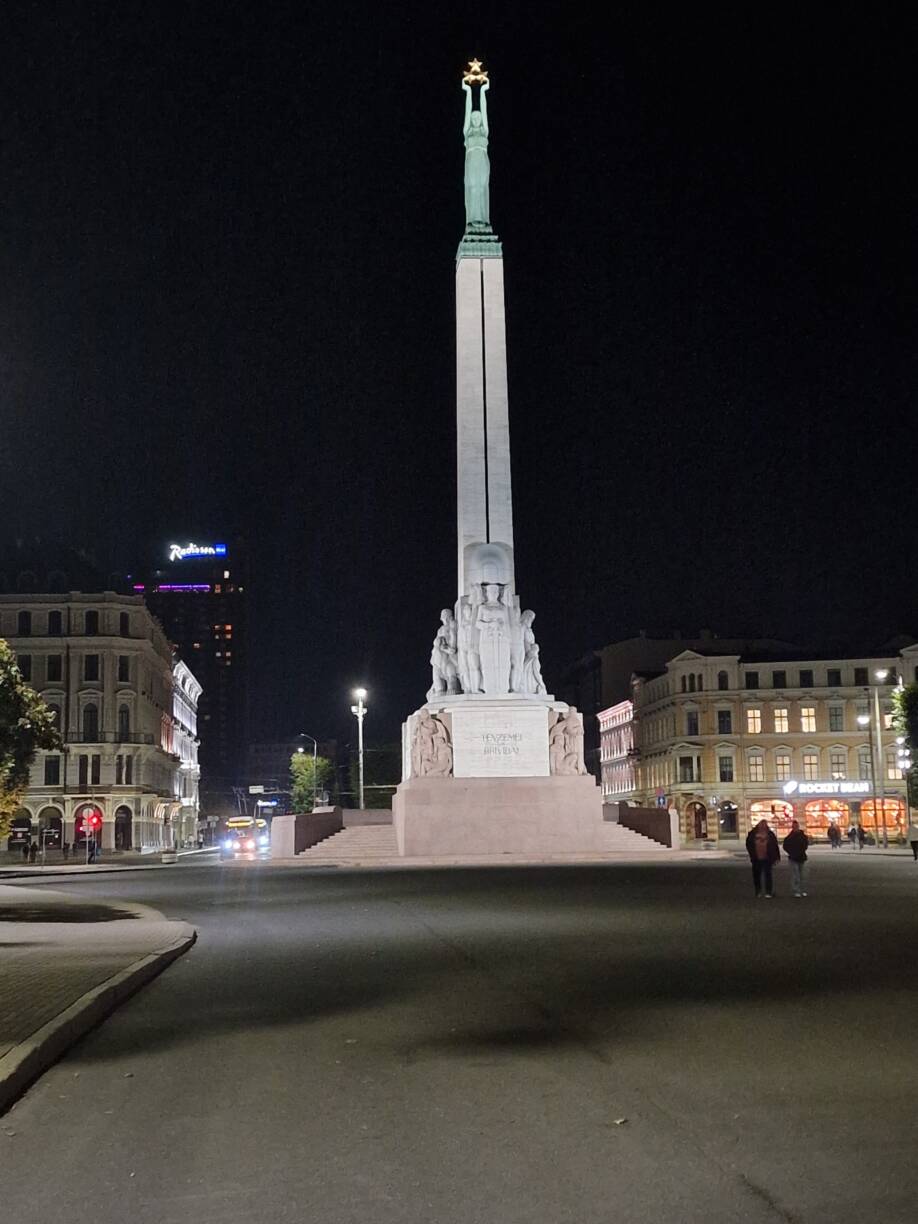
{"type": "Point", "coordinates": [475, 74]}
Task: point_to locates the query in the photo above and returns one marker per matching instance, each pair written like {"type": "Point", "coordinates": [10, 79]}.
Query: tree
{"type": "Point", "coordinates": [905, 722]}
{"type": "Point", "coordinates": [26, 724]}
{"type": "Point", "coordinates": [304, 783]}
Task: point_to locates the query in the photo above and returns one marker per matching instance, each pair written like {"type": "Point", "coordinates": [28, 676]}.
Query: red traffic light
{"type": "Point", "coordinates": [93, 819]}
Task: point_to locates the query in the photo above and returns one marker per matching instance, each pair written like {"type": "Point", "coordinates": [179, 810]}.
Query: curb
{"type": "Point", "coordinates": [28, 1060]}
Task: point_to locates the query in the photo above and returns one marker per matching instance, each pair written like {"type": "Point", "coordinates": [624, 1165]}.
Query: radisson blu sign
{"type": "Point", "coordinates": [183, 552]}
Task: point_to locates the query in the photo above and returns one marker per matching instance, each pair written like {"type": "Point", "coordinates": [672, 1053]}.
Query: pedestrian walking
{"type": "Point", "coordinates": [762, 848]}
{"type": "Point", "coordinates": [912, 838]}
{"type": "Point", "coordinates": [861, 837]}
{"type": "Point", "coordinates": [795, 847]}
{"type": "Point", "coordinates": [66, 851]}
{"type": "Point", "coordinates": [852, 836]}
{"type": "Point", "coordinates": [33, 852]}
{"type": "Point", "coordinates": [835, 836]}
{"type": "Point", "coordinates": [25, 850]}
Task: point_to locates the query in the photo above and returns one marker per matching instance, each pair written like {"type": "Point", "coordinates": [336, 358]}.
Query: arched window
{"type": "Point", "coordinates": [55, 624]}
{"type": "Point", "coordinates": [124, 724]}
{"type": "Point", "coordinates": [91, 623]}
{"type": "Point", "coordinates": [90, 724]}
{"type": "Point", "coordinates": [723, 681]}
{"type": "Point", "coordinates": [24, 624]}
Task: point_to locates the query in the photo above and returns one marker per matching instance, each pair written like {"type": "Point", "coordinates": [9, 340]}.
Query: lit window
{"type": "Point", "coordinates": [811, 766]}
{"type": "Point", "coordinates": [756, 768]}
{"type": "Point", "coordinates": [781, 723]}
{"type": "Point", "coordinates": [888, 720]}
{"type": "Point", "coordinates": [807, 718]}
{"type": "Point", "coordinates": [838, 764]}
{"type": "Point", "coordinates": [754, 721]}
{"type": "Point", "coordinates": [893, 772]}
{"type": "Point", "coordinates": [782, 766]}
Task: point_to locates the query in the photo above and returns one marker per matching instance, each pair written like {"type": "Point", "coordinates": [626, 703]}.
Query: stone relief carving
{"type": "Point", "coordinates": [532, 681]}
{"type": "Point", "coordinates": [444, 657]}
{"type": "Point", "coordinates": [494, 629]}
{"type": "Point", "coordinates": [495, 647]}
{"type": "Point", "coordinates": [565, 743]}
{"type": "Point", "coordinates": [431, 750]}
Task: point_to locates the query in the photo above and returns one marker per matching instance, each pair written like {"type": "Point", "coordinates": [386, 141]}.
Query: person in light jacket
{"type": "Point", "coordinates": [795, 847]}
{"type": "Point", "coordinates": [912, 838]}
{"type": "Point", "coordinates": [762, 848]}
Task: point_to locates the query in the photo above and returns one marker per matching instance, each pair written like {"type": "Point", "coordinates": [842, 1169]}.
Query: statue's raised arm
{"type": "Point", "coordinates": [483, 103]}
{"type": "Point", "coordinates": [468, 109]}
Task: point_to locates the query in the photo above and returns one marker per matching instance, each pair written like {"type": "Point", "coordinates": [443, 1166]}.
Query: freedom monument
{"type": "Point", "coordinates": [491, 763]}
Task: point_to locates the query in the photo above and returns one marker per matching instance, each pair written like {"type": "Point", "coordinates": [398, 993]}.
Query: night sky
{"type": "Point", "coordinates": [226, 306]}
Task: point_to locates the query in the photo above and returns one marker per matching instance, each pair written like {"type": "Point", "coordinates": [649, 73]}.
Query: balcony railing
{"type": "Point", "coordinates": [111, 737]}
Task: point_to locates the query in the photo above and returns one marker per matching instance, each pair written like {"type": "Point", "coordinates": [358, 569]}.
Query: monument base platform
{"type": "Point", "coordinates": [448, 817]}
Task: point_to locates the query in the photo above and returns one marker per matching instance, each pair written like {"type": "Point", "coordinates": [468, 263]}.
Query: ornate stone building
{"type": "Point", "coordinates": [727, 740]}
{"type": "Point", "coordinates": [127, 716]}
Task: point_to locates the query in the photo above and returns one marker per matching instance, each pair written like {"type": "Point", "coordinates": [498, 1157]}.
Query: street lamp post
{"type": "Point", "coordinates": [315, 762]}
{"type": "Point", "coordinates": [863, 720]}
{"type": "Point", "coordinates": [360, 710]}
{"type": "Point", "coordinates": [881, 674]}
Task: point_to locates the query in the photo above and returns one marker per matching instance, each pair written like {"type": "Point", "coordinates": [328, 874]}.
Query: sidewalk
{"type": "Point", "coordinates": [65, 964]}
{"type": "Point", "coordinates": [12, 866]}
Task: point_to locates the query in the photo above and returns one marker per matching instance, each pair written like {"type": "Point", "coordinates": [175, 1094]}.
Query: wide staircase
{"type": "Point", "coordinates": [375, 843]}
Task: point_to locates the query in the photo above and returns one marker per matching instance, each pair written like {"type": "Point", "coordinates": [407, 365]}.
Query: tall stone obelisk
{"type": "Point", "coordinates": [492, 764]}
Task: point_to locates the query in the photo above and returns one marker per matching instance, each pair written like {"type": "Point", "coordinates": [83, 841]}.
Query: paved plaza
{"type": "Point", "coordinates": [630, 1042]}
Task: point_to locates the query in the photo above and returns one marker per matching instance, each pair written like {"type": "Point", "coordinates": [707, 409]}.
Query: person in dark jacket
{"type": "Point", "coordinates": [795, 847]}
{"type": "Point", "coordinates": [762, 847]}
{"type": "Point", "coordinates": [861, 837]}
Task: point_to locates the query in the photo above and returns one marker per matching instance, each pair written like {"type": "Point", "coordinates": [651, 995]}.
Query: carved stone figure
{"type": "Point", "coordinates": [444, 657]}
{"type": "Point", "coordinates": [565, 743]}
{"type": "Point", "coordinates": [477, 162]}
{"type": "Point", "coordinates": [469, 658]}
{"type": "Point", "coordinates": [532, 667]}
{"type": "Point", "coordinates": [517, 650]}
{"type": "Point", "coordinates": [431, 750]}
{"type": "Point", "coordinates": [493, 625]}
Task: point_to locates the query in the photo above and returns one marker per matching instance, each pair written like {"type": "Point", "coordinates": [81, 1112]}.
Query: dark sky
{"type": "Point", "coordinates": [226, 305]}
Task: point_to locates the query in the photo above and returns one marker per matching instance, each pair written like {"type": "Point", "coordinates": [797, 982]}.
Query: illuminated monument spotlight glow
{"type": "Point", "coordinates": [491, 763]}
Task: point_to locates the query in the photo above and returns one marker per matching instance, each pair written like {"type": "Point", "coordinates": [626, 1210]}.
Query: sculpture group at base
{"type": "Point", "coordinates": [488, 647]}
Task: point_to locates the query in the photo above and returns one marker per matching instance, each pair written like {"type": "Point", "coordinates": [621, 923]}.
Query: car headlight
{"type": "Point", "coordinates": [250, 844]}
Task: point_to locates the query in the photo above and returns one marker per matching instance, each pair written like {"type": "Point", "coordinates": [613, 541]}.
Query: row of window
{"type": "Point", "coordinates": [89, 770]}
{"type": "Point", "coordinates": [27, 623]}
{"type": "Point", "coordinates": [689, 767]}
{"type": "Point", "coordinates": [805, 679]}
{"type": "Point", "coordinates": [780, 717]}
{"type": "Point", "coordinates": [54, 667]}
{"type": "Point", "coordinates": [89, 721]}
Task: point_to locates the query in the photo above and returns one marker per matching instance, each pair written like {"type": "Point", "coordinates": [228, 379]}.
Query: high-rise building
{"type": "Point", "coordinates": [199, 595]}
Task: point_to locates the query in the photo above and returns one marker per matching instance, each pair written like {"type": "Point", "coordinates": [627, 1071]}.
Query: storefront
{"type": "Point", "coordinates": [817, 805]}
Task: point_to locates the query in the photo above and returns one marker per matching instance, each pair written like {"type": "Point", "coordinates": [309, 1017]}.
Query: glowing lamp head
{"type": "Point", "coordinates": [360, 693]}
{"type": "Point", "coordinates": [881, 673]}
{"type": "Point", "coordinates": [863, 720]}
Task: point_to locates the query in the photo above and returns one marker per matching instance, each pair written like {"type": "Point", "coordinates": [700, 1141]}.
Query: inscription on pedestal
{"type": "Point", "coordinates": [508, 743]}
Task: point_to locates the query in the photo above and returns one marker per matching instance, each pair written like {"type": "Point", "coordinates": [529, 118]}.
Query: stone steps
{"type": "Point", "coordinates": [375, 844]}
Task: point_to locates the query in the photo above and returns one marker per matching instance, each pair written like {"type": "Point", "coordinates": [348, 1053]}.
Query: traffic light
{"type": "Point", "coordinates": [94, 819]}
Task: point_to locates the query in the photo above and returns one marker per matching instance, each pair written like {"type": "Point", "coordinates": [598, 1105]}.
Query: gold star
{"type": "Point", "coordinates": [475, 73]}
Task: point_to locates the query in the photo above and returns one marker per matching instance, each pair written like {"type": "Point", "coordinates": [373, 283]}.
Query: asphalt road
{"type": "Point", "coordinates": [627, 1043]}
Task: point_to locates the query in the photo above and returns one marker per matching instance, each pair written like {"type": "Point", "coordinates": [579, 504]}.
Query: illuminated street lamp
{"type": "Point", "coordinates": [359, 710]}
{"type": "Point", "coordinates": [863, 720]}
{"type": "Point", "coordinates": [881, 675]}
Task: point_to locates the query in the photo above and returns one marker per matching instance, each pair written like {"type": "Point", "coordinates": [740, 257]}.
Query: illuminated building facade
{"type": "Point", "coordinates": [127, 717]}
{"type": "Point", "coordinates": [199, 596]}
{"type": "Point", "coordinates": [727, 740]}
